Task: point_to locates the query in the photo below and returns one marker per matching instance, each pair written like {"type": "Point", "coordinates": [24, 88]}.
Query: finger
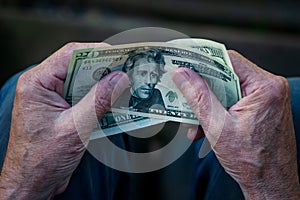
{"type": "Point", "coordinates": [254, 80]}
{"type": "Point", "coordinates": [186, 125]}
{"type": "Point", "coordinates": [242, 66]}
{"type": "Point", "coordinates": [52, 72]}
{"type": "Point", "coordinates": [195, 133]}
{"type": "Point", "coordinates": [248, 73]}
{"type": "Point", "coordinates": [58, 63]}
{"type": "Point", "coordinates": [87, 112]}
{"type": "Point", "coordinates": [209, 111]}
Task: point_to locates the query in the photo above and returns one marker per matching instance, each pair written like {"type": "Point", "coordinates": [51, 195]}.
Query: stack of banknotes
{"type": "Point", "coordinates": [207, 58]}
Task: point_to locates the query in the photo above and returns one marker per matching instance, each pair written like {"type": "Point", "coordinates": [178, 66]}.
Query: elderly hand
{"type": "Point", "coordinates": [254, 140]}
{"type": "Point", "coordinates": [44, 146]}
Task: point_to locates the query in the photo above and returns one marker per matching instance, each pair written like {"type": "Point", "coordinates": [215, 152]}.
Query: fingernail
{"type": "Point", "coordinates": [192, 133]}
{"type": "Point", "coordinates": [180, 77]}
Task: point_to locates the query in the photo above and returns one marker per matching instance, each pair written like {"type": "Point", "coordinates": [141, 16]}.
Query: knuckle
{"type": "Point", "coordinates": [199, 99]}
{"type": "Point", "coordinates": [280, 86]}
{"type": "Point", "coordinates": [278, 89]}
{"type": "Point", "coordinates": [71, 45]}
{"type": "Point", "coordinates": [103, 97]}
{"type": "Point", "coordinates": [63, 55]}
{"type": "Point", "coordinates": [102, 104]}
{"type": "Point", "coordinates": [23, 85]}
{"type": "Point", "coordinates": [234, 52]}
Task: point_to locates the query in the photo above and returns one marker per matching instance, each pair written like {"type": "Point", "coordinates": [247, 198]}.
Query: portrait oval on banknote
{"type": "Point", "coordinates": [100, 73]}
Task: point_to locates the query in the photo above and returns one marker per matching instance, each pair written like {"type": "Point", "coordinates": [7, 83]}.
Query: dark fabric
{"type": "Point", "coordinates": [92, 181]}
{"type": "Point", "coordinates": [212, 182]}
{"type": "Point", "coordinates": [7, 95]}
{"type": "Point", "coordinates": [295, 101]}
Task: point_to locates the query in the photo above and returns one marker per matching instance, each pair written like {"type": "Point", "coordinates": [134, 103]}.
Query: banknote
{"type": "Point", "coordinates": [216, 50]}
{"type": "Point", "coordinates": [151, 97]}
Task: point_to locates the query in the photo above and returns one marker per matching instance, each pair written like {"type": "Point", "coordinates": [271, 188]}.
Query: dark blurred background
{"type": "Point", "coordinates": [267, 32]}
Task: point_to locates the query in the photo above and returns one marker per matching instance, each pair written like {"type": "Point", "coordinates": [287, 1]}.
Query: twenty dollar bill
{"type": "Point", "coordinates": [152, 97]}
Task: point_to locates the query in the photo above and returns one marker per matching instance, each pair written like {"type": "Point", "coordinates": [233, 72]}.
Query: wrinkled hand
{"type": "Point", "coordinates": [45, 146]}
{"type": "Point", "coordinates": [254, 140]}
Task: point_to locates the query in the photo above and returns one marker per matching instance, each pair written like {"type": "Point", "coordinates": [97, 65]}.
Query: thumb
{"type": "Point", "coordinates": [90, 109]}
{"type": "Point", "coordinates": [209, 111]}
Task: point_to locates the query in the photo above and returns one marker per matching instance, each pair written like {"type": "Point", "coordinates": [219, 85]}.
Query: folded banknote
{"type": "Point", "coordinates": [152, 97]}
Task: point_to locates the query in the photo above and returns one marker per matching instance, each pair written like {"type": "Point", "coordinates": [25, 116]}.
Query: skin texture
{"type": "Point", "coordinates": [44, 147]}
{"type": "Point", "coordinates": [254, 140]}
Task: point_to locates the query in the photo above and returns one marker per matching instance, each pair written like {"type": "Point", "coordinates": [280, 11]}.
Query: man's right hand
{"type": "Point", "coordinates": [46, 144]}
